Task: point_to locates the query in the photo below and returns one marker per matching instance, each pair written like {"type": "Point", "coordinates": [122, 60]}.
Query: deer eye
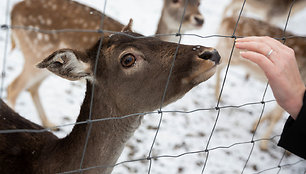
{"type": "Point", "coordinates": [128, 60]}
{"type": "Point", "coordinates": [175, 1]}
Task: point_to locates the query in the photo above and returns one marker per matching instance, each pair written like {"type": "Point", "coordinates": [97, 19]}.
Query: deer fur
{"type": "Point", "coordinates": [171, 17]}
{"type": "Point", "coordinates": [252, 27]}
{"type": "Point", "coordinates": [43, 14]}
{"type": "Point", "coordinates": [272, 11]}
{"type": "Point", "coordinates": [118, 91]}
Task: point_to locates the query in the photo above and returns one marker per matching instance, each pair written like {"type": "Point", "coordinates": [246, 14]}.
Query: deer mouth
{"type": "Point", "coordinates": [207, 63]}
{"type": "Point", "coordinates": [199, 76]}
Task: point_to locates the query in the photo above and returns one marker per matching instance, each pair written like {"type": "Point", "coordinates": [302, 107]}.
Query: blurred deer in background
{"type": "Point", "coordinates": [171, 18]}
{"type": "Point", "coordinates": [272, 11]}
{"type": "Point", "coordinates": [123, 58]}
{"type": "Point", "coordinates": [45, 15]}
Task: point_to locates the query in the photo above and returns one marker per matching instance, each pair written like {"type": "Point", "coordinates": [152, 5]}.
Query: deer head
{"type": "Point", "coordinates": [133, 71]}
{"type": "Point", "coordinates": [129, 74]}
{"type": "Point", "coordinates": [174, 9]}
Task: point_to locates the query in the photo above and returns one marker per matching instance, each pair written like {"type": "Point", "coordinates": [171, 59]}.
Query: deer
{"type": "Point", "coordinates": [171, 17]}
{"type": "Point", "coordinates": [272, 11]}
{"type": "Point", "coordinates": [35, 46]}
{"type": "Point", "coordinates": [126, 61]}
{"type": "Point", "coordinates": [253, 27]}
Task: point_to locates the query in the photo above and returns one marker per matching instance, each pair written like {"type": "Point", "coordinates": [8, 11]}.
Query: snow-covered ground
{"type": "Point", "coordinates": [179, 133]}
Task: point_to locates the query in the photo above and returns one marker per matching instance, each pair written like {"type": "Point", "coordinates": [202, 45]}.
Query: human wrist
{"type": "Point", "coordinates": [295, 106]}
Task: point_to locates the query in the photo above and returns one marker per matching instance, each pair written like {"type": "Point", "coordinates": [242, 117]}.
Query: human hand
{"type": "Point", "coordinates": [280, 67]}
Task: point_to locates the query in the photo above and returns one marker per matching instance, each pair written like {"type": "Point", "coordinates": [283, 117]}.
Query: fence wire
{"type": "Point", "coordinates": [206, 150]}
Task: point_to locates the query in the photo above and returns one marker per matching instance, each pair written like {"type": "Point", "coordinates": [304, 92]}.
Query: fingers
{"type": "Point", "coordinates": [267, 46]}
{"type": "Point", "coordinates": [263, 49]}
{"type": "Point", "coordinates": [259, 51]}
{"type": "Point", "coordinates": [280, 68]}
{"type": "Point", "coordinates": [264, 63]}
{"type": "Point", "coordinates": [273, 44]}
{"type": "Point", "coordinates": [262, 39]}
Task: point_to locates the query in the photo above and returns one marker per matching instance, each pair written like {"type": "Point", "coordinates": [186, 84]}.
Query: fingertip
{"type": "Point", "coordinates": [241, 39]}
{"type": "Point", "coordinates": [243, 54]}
{"type": "Point", "coordinates": [237, 44]}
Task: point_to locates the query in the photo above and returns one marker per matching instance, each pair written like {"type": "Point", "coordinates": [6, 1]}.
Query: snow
{"type": "Point", "coordinates": [179, 132]}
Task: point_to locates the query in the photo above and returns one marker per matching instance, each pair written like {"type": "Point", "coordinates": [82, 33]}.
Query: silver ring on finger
{"type": "Point", "coordinates": [269, 53]}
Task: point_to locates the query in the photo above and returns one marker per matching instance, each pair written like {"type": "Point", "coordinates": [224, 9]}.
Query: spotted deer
{"type": "Point", "coordinates": [272, 11]}
{"type": "Point", "coordinates": [253, 27]}
{"type": "Point", "coordinates": [45, 15]}
{"type": "Point", "coordinates": [171, 18]}
{"type": "Point", "coordinates": [126, 62]}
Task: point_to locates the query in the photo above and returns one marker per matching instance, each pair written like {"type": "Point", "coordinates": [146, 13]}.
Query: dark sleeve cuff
{"type": "Point", "coordinates": [293, 137]}
{"type": "Point", "coordinates": [300, 121]}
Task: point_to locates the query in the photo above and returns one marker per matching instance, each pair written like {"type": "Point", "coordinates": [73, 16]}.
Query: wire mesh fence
{"type": "Point", "coordinates": [206, 150]}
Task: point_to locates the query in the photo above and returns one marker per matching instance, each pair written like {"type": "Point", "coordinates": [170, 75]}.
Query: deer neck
{"type": "Point", "coordinates": [167, 25]}
{"type": "Point", "coordinates": [106, 139]}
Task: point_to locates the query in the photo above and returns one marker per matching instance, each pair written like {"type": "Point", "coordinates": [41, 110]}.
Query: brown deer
{"type": "Point", "coordinates": [124, 65]}
{"type": "Point", "coordinates": [253, 27]}
{"type": "Point", "coordinates": [172, 15]}
{"type": "Point", "coordinates": [44, 15]}
{"type": "Point", "coordinates": [271, 11]}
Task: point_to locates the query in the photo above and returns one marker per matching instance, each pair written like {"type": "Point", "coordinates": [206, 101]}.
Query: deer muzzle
{"type": "Point", "coordinates": [211, 55]}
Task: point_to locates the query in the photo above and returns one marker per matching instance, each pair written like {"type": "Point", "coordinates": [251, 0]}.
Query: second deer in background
{"type": "Point", "coordinates": [171, 17]}
{"type": "Point", "coordinates": [66, 14]}
{"type": "Point", "coordinates": [272, 11]}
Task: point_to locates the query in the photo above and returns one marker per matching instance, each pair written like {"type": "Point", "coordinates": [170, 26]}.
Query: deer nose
{"type": "Point", "coordinates": [211, 55]}
{"type": "Point", "coordinates": [199, 20]}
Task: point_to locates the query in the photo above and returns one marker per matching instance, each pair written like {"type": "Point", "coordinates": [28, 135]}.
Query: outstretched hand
{"type": "Point", "coordinates": [279, 64]}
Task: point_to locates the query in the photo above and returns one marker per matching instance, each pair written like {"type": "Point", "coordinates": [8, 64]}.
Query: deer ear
{"type": "Point", "coordinates": [68, 64]}
{"type": "Point", "coordinates": [128, 27]}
